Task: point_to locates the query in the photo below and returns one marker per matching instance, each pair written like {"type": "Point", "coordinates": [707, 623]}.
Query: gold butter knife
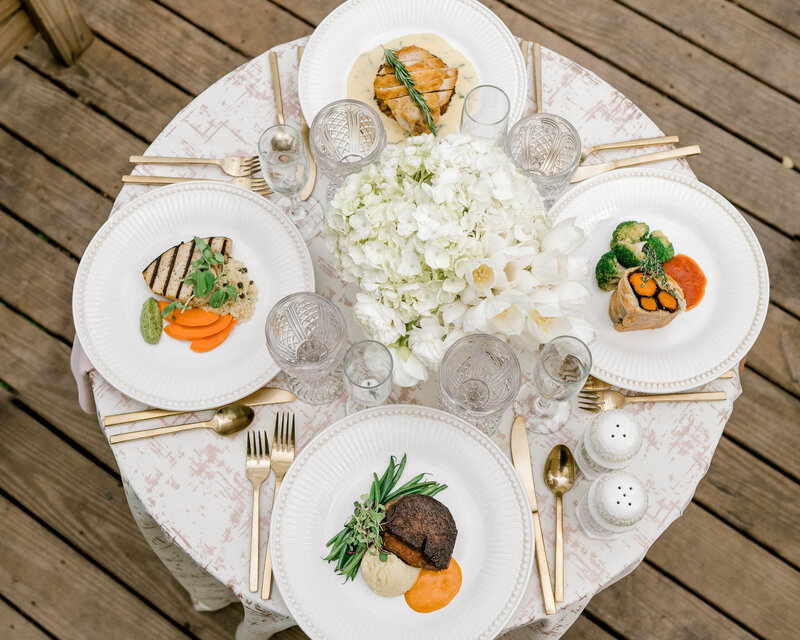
{"type": "Point", "coordinates": [521, 457]}
{"type": "Point", "coordinates": [589, 171]}
{"type": "Point", "coordinates": [312, 164]}
{"type": "Point", "coordinates": [276, 85]}
{"type": "Point", "coordinates": [266, 395]}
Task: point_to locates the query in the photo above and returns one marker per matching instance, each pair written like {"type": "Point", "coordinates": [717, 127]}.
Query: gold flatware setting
{"type": "Point", "coordinates": [606, 400]}
{"type": "Point", "coordinates": [305, 192]}
{"type": "Point", "coordinates": [591, 170]}
{"type": "Point", "coordinates": [256, 185]}
{"type": "Point", "coordinates": [276, 85]}
{"type": "Point", "coordinates": [281, 458]}
{"type": "Point", "coordinates": [267, 395]}
{"type": "Point", "coordinates": [236, 166]}
{"type": "Point", "coordinates": [226, 421]}
{"type": "Point", "coordinates": [628, 144]}
{"type": "Point", "coordinates": [595, 384]}
{"type": "Point", "coordinates": [559, 476]}
{"type": "Point", "coordinates": [257, 469]}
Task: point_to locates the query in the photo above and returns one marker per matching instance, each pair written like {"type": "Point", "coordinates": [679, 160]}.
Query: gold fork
{"type": "Point", "coordinates": [628, 144]}
{"type": "Point", "coordinates": [257, 470]}
{"type": "Point", "coordinates": [282, 457]}
{"type": "Point", "coordinates": [607, 400]}
{"type": "Point", "coordinates": [256, 185]}
{"type": "Point", "coordinates": [595, 384]}
{"type": "Point", "coordinates": [237, 166]}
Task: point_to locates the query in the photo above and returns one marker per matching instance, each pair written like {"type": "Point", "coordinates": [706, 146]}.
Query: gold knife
{"type": "Point", "coordinates": [521, 457]}
{"type": "Point", "coordinates": [312, 164]}
{"type": "Point", "coordinates": [276, 85]}
{"type": "Point", "coordinates": [266, 395]}
{"type": "Point", "coordinates": [591, 170]}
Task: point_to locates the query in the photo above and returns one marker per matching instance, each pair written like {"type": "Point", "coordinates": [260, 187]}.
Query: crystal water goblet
{"type": "Point", "coordinates": [306, 337]}
{"type": "Point", "coordinates": [485, 113]}
{"type": "Point", "coordinates": [283, 157]}
{"type": "Point", "coordinates": [560, 372]}
{"type": "Point", "coordinates": [546, 148]}
{"type": "Point", "coordinates": [345, 136]}
{"type": "Point", "coordinates": [478, 379]}
{"type": "Point", "coordinates": [367, 369]}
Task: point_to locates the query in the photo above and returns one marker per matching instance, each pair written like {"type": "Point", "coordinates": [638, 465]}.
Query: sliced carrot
{"type": "Point", "coordinates": [667, 301]}
{"type": "Point", "coordinates": [648, 304]}
{"type": "Point", "coordinates": [640, 287]}
{"type": "Point", "coordinates": [190, 317]}
{"type": "Point", "coordinates": [192, 333]}
{"type": "Point", "coordinates": [201, 345]}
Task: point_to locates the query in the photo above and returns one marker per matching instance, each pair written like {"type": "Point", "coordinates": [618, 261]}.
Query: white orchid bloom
{"type": "Point", "coordinates": [564, 237]}
{"type": "Point", "coordinates": [426, 341]}
{"type": "Point", "coordinates": [407, 369]}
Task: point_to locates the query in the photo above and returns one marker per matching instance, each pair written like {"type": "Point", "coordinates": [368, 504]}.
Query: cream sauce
{"type": "Point", "coordinates": [360, 81]}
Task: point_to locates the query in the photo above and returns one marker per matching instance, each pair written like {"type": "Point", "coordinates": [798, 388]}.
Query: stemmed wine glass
{"type": "Point", "coordinates": [283, 157]}
{"type": "Point", "coordinates": [306, 337]}
{"type": "Point", "coordinates": [560, 372]}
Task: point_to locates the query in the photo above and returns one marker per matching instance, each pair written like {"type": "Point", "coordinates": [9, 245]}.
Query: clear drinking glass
{"type": "Point", "coordinates": [478, 379]}
{"type": "Point", "coordinates": [306, 337]}
{"type": "Point", "coordinates": [345, 136]}
{"type": "Point", "coordinates": [367, 369]}
{"type": "Point", "coordinates": [560, 372]}
{"type": "Point", "coordinates": [546, 148]}
{"type": "Point", "coordinates": [283, 157]}
{"type": "Point", "coordinates": [485, 113]}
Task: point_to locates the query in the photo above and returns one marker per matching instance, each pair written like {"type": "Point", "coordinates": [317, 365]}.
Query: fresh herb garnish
{"type": "Point", "coordinates": [652, 268]}
{"type": "Point", "coordinates": [363, 530]}
{"type": "Point", "coordinates": [402, 75]}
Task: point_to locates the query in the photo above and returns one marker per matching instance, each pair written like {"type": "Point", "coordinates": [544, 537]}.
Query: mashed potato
{"type": "Point", "coordinates": [389, 579]}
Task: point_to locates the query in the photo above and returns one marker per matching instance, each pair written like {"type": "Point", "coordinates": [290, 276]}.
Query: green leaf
{"type": "Point", "coordinates": [230, 290]}
{"type": "Point", "coordinates": [219, 257]}
{"type": "Point", "coordinates": [200, 243]}
{"type": "Point", "coordinates": [383, 557]}
{"type": "Point", "coordinates": [218, 299]}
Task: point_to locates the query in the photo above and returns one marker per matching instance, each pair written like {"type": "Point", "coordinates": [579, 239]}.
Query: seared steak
{"type": "Point", "coordinates": [420, 531]}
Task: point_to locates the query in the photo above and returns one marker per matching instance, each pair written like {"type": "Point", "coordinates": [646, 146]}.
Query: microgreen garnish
{"type": "Point", "coordinates": [652, 268]}
{"type": "Point", "coordinates": [363, 530]}
{"type": "Point", "coordinates": [205, 279]}
{"type": "Point", "coordinates": [402, 75]}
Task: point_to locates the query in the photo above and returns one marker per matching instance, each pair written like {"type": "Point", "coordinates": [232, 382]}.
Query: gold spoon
{"type": "Point", "coordinates": [559, 475]}
{"type": "Point", "coordinates": [226, 421]}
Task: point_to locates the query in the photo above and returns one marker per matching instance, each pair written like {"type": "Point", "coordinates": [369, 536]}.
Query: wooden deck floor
{"type": "Point", "coordinates": [719, 73]}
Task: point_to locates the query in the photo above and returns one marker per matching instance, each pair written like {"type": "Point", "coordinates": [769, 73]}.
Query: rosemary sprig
{"type": "Point", "coordinates": [651, 267]}
{"type": "Point", "coordinates": [363, 530]}
{"type": "Point", "coordinates": [402, 75]}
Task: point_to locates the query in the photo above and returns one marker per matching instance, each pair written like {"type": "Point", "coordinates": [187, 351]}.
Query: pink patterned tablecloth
{"type": "Point", "coordinates": [192, 485]}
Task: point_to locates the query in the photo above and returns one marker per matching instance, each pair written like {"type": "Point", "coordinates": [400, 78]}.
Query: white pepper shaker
{"type": "Point", "coordinates": [614, 504]}
{"type": "Point", "coordinates": [611, 440]}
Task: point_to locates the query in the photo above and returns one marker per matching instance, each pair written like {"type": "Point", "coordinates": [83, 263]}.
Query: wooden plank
{"type": "Point", "coordinates": [770, 192]}
{"type": "Point", "coordinates": [13, 625]}
{"type": "Point", "coordinates": [734, 574]}
{"type": "Point", "coordinates": [163, 41]}
{"type": "Point", "coordinates": [36, 366]}
{"type": "Point", "coordinates": [733, 34]}
{"type": "Point", "coordinates": [47, 197]}
{"type": "Point", "coordinates": [250, 26]}
{"type": "Point", "coordinates": [39, 279]}
{"type": "Point", "coordinates": [582, 629]}
{"type": "Point", "coordinates": [783, 13]}
{"type": "Point", "coordinates": [8, 8]}
{"type": "Point", "coordinates": [67, 130]}
{"type": "Point", "coordinates": [646, 605]}
{"type": "Point", "coordinates": [764, 415]}
{"type": "Point", "coordinates": [750, 495]}
{"type": "Point", "coordinates": [62, 25]}
{"type": "Point", "coordinates": [65, 593]}
{"type": "Point", "coordinates": [115, 83]}
{"type": "Point", "coordinates": [14, 33]}
{"type": "Point", "coordinates": [776, 353]}
{"type": "Point", "coordinates": [87, 506]}
{"type": "Point", "coordinates": [688, 74]}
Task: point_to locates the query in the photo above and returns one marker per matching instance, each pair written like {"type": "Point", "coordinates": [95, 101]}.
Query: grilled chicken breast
{"type": "Point", "coordinates": [165, 274]}
{"type": "Point", "coordinates": [420, 531]}
{"type": "Point", "coordinates": [434, 80]}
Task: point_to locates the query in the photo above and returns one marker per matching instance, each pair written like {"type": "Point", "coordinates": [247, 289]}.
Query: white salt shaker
{"type": "Point", "coordinates": [614, 504]}
{"type": "Point", "coordinates": [610, 442]}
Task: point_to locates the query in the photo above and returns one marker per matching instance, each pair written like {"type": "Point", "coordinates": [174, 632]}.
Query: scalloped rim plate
{"type": "Point", "coordinates": [698, 345]}
{"type": "Point", "coordinates": [109, 292]}
{"type": "Point", "coordinates": [494, 546]}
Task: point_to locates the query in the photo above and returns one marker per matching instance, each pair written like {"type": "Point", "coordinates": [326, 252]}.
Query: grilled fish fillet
{"type": "Point", "coordinates": [434, 80]}
{"type": "Point", "coordinates": [165, 274]}
{"type": "Point", "coordinates": [420, 531]}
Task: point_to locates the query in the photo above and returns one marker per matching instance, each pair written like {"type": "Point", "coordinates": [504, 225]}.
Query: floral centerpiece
{"type": "Point", "coordinates": [444, 236]}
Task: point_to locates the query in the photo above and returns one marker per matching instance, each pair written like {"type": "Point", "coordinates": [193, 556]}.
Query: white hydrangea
{"type": "Point", "coordinates": [445, 236]}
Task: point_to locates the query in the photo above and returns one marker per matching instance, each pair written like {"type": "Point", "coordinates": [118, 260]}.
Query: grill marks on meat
{"type": "Point", "coordinates": [420, 531]}
{"type": "Point", "coordinates": [165, 274]}
{"type": "Point", "coordinates": [432, 78]}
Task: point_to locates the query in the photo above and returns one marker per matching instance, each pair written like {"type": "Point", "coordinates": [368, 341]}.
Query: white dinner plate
{"type": "Point", "coordinates": [493, 548]}
{"type": "Point", "coordinates": [109, 292]}
{"type": "Point", "coordinates": [700, 344]}
{"type": "Point", "coordinates": [358, 26]}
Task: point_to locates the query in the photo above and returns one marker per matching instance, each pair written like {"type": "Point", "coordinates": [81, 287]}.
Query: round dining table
{"type": "Point", "coordinates": [188, 491]}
